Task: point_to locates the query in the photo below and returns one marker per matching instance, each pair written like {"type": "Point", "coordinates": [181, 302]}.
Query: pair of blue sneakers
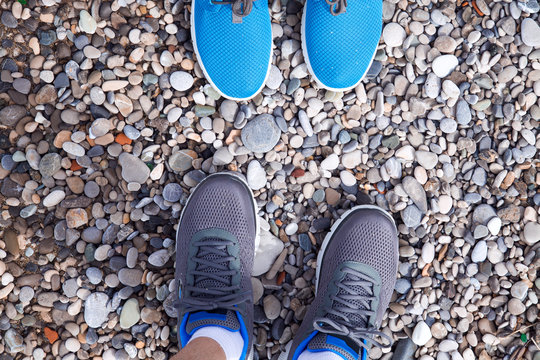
{"type": "Point", "coordinates": [233, 42]}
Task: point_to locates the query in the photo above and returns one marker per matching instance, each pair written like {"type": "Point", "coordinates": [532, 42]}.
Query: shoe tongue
{"type": "Point", "coordinates": [337, 344]}
{"type": "Point", "coordinates": [356, 319]}
{"type": "Point", "coordinates": [223, 318]}
{"type": "Point", "coordinates": [206, 282]}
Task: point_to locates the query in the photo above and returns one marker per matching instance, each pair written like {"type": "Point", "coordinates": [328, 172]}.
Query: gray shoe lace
{"type": "Point", "coordinates": [348, 302]}
{"type": "Point", "coordinates": [337, 6]}
{"type": "Point", "coordinates": [213, 269]}
{"type": "Point", "coordinates": [240, 8]}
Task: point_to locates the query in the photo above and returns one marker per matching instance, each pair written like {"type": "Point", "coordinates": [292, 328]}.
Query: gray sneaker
{"type": "Point", "coordinates": [215, 246]}
{"type": "Point", "coordinates": [356, 275]}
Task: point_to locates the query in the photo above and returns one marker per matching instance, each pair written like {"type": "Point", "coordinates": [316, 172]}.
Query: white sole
{"type": "Point", "coordinates": [328, 236]}
{"type": "Point", "coordinates": [255, 207]}
{"type": "Point", "coordinates": [201, 64]}
{"type": "Point", "coordinates": [310, 69]}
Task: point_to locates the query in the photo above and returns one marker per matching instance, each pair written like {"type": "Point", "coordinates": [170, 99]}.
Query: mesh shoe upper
{"type": "Point", "coordinates": [366, 240]}
{"type": "Point", "coordinates": [234, 56]}
{"type": "Point", "coordinates": [214, 256]}
{"type": "Point", "coordinates": [339, 48]}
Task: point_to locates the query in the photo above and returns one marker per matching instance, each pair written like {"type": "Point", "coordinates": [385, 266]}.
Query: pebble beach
{"type": "Point", "coordinates": [107, 123]}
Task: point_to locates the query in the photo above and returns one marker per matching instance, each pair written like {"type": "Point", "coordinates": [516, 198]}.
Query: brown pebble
{"type": "Point", "coordinates": [75, 184]}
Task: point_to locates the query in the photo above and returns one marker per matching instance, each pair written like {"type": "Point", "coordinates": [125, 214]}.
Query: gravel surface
{"type": "Point", "coordinates": [106, 123]}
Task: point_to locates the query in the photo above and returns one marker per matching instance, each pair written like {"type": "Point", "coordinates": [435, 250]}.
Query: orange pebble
{"type": "Point", "coordinates": [51, 335]}
{"type": "Point", "coordinates": [90, 141]}
{"type": "Point", "coordinates": [281, 277]}
{"type": "Point", "coordinates": [279, 222]}
{"type": "Point", "coordinates": [122, 139]}
{"type": "Point", "coordinates": [75, 166]}
{"type": "Point", "coordinates": [298, 172]}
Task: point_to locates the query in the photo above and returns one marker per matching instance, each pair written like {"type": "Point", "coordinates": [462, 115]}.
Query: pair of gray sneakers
{"type": "Point", "coordinates": [356, 272]}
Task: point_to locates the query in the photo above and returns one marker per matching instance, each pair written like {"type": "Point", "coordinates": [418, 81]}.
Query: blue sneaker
{"type": "Point", "coordinates": [233, 44]}
{"type": "Point", "coordinates": [339, 40]}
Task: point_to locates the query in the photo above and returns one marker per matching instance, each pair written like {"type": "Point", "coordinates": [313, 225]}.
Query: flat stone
{"type": "Point", "coordinates": [256, 176]}
{"type": "Point", "coordinates": [530, 32]}
{"type": "Point", "coordinates": [416, 192]}
{"type": "Point", "coordinates": [463, 112]}
{"type": "Point", "coordinates": [268, 250]}
{"type": "Point", "coordinates": [275, 78]}
{"type": "Point", "coordinates": [73, 148]}
{"type": "Point", "coordinates": [22, 85]}
{"type": "Point", "coordinates": [70, 116]}
{"type": "Point", "coordinates": [411, 216]}
{"type": "Point", "coordinates": [54, 198]}
{"type": "Point", "coordinates": [272, 307]}
{"type": "Point", "coordinates": [181, 80]}
{"type": "Point", "coordinates": [87, 23]}
{"type": "Point", "coordinates": [483, 213]}
{"type": "Point", "coordinates": [531, 233]}
{"type": "Point", "coordinates": [479, 253]}
{"type": "Point", "coordinates": [222, 156]}
{"type": "Point", "coordinates": [443, 65]}
{"type": "Point", "coordinates": [130, 277]}
{"type": "Point", "coordinates": [261, 134]}
{"type": "Point", "coordinates": [76, 217]}
{"type": "Point", "coordinates": [421, 334]}
{"type": "Point", "coordinates": [172, 192]}
{"type": "Point", "coordinates": [159, 258]}
{"type": "Point", "coordinates": [182, 160]}
{"type": "Point", "coordinates": [133, 168]}
{"type": "Point", "coordinates": [10, 115]}
{"type": "Point", "coordinates": [426, 159]}
{"type": "Point", "coordinates": [228, 110]}
{"type": "Point", "coordinates": [96, 309]}
{"type": "Point", "coordinates": [394, 34]}
{"type": "Point", "coordinates": [130, 314]}
{"type": "Point", "coordinates": [46, 95]}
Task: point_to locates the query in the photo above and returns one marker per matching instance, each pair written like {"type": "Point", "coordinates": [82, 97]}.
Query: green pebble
{"type": "Point", "coordinates": [204, 110]}
{"type": "Point", "coordinates": [391, 142]}
{"type": "Point", "coordinates": [89, 252]}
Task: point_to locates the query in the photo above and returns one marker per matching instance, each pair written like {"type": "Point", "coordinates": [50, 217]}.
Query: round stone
{"type": "Point", "coordinates": [443, 65]}
{"type": "Point", "coordinates": [91, 189]}
{"type": "Point", "coordinates": [394, 35]}
{"type": "Point", "coordinates": [531, 233]}
{"type": "Point", "coordinates": [261, 134]}
{"type": "Point", "coordinates": [448, 126]}
{"type": "Point", "coordinates": [94, 275]}
{"type": "Point", "coordinates": [347, 178]}
{"type": "Point", "coordinates": [181, 80]}
{"type": "Point", "coordinates": [172, 192]}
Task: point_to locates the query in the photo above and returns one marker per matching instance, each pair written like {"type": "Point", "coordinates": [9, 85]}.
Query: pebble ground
{"type": "Point", "coordinates": [106, 123]}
